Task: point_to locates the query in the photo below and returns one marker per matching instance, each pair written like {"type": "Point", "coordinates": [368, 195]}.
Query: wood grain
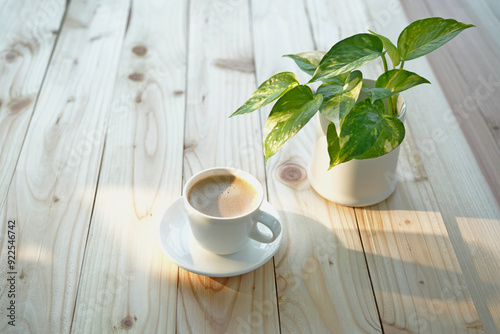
{"type": "Point", "coordinates": [53, 188]}
{"type": "Point", "coordinates": [127, 282]}
{"type": "Point", "coordinates": [467, 205]}
{"type": "Point", "coordinates": [102, 120]}
{"type": "Point", "coordinates": [418, 282]}
{"type": "Point", "coordinates": [29, 31]}
{"type": "Point", "coordinates": [321, 274]}
{"type": "Point", "coordinates": [471, 64]}
{"type": "Point", "coordinates": [389, 268]}
{"type": "Point", "coordinates": [221, 76]}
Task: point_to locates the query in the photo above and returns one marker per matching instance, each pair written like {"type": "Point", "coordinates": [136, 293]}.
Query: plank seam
{"type": "Point", "coordinates": [88, 232]}
{"type": "Point", "coordinates": [2, 203]}
{"type": "Point", "coordinates": [261, 121]}
{"type": "Point", "coordinates": [463, 254]}
{"type": "Point", "coordinates": [463, 125]}
{"type": "Point", "coordinates": [92, 211]}
{"type": "Point", "coordinates": [186, 57]}
{"type": "Point", "coordinates": [309, 22]}
{"type": "Point", "coordinates": [368, 269]}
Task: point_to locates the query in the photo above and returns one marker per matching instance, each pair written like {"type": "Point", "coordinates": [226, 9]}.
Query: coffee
{"type": "Point", "coordinates": [223, 196]}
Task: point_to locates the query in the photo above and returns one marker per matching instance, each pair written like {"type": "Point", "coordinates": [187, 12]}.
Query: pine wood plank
{"type": "Point", "coordinates": [53, 188]}
{"type": "Point", "coordinates": [330, 24]}
{"type": "Point", "coordinates": [475, 55]}
{"type": "Point", "coordinates": [485, 14]}
{"type": "Point", "coordinates": [493, 7]}
{"type": "Point", "coordinates": [322, 278]}
{"type": "Point", "coordinates": [127, 283]}
{"type": "Point", "coordinates": [418, 282]}
{"type": "Point", "coordinates": [468, 207]}
{"type": "Point", "coordinates": [29, 30]}
{"type": "Point", "coordinates": [468, 71]}
{"type": "Point", "coordinates": [220, 76]}
{"type": "Point", "coordinates": [390, 269]}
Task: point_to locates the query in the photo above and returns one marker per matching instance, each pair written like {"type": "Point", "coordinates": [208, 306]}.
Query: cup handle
{"type": "Point", "coordinates": [268, 220]}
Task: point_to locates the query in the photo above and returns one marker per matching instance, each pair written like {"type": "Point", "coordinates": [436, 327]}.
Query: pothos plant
{"type": "Point", "coordinates": [359, 128]}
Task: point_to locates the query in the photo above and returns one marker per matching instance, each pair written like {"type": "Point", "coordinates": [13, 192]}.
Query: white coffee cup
{"type": "Point", "coordinates": [227, 235]}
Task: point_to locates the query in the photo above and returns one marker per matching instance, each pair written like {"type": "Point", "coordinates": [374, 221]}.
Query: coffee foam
{"type": "Point", "coordinates": [223, 196]}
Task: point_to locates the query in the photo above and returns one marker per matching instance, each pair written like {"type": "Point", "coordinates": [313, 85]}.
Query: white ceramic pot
{"type": "Point", "coordinates": [356, 182]}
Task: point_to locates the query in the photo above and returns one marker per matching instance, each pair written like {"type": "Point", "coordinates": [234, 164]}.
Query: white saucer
{"type": "Point", "coordinates": [179, 244]}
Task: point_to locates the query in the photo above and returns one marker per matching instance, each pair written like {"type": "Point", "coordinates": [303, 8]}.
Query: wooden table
{"type": "Point", "coordinates": [107, 107]}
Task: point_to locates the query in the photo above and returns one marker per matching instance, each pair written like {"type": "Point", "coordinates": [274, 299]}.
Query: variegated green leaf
{"type": "Point", "coordinates": [332, 139]}
{"type": "Point", "coordinates": [339, 97]}
{"type": "Point", "coordinates": [375, 94]}
{"type": "Point", "coordinates": [307, 61]}
{"type": "Point", "coordinates": [391, 136]}
{"type": "Point", "coordinates": [348, 55]}
{"type": "Point", "coordinates": [339, 79]}
{"type": "Point", "coordinates": [366, 126]}
{"type": "Point", "coordinates": [268, 91]}
{"type": "Point", "coordinates": [426, 35]}
{"type": "Point", "coordinates": [391, 49]}
{"type": "Point", "coordinates": [399, 80]}
{"type": "Point", "coordinates": [290, 113]}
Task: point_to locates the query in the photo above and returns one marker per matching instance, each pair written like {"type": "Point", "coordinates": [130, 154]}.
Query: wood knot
{"type": "Point", "coordinates": [136, 76]}
{"type": "Point", "coordinates": [95, 38]}
{"type": "Point", "coordinates": [190, 146]}
{"type": "Point", "coordinates": [139, 50]}
{"type": "Point", "coordinates": [138, 98]}
{"type": "Point", "coordinates": [127, 322]}
{"type": "Point", "coordinates": [20, 104]}
{"type": "Point", "coordinates": [241, 65]}
{"type": "Point", "coordinates": [55, 199]}
{"type": "Point", "coordinates": [476, 325]}
{"type": "Point", "coordinates": [10, 57]}
{"type": "Point", "coordinates": [291, 173]}
{"type": "Point", "coordinates": [407, 222]}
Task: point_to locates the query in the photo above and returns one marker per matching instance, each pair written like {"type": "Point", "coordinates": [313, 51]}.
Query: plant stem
{"type": "Point", "coordinates": [389, 106]}
{"type": "Point", "coordinates": [389, 99]}
{"type": "Point", "coordinates": [385, 62]}
{"type": "Point", "coordinates": [392, 99]}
